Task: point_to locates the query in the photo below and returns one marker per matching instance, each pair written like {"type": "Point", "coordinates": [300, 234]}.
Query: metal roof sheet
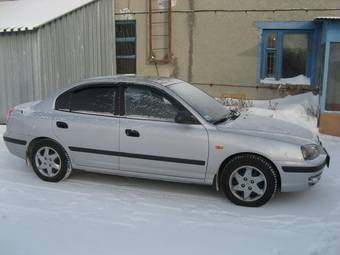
{"type": "Point", "coordinates": [22, 15]}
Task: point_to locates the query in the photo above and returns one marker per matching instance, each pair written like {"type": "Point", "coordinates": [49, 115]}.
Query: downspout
{"type": "Point", "coordinates": [191, 25]}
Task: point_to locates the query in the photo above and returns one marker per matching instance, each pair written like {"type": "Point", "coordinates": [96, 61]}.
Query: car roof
{"type": "Point", "coordinates": [139, 80]}
{"type": "Point", "coordinates": [110, 80]}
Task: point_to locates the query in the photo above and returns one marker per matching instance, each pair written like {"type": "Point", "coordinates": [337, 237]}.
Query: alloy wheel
{"type": "Point", "coordinates": [48, 161]}
{"type": "Point", "coordinates": [248, 183]}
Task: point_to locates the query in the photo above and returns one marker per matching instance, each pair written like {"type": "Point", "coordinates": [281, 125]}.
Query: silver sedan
{"type": "Point", "coordinates": [163, 129]}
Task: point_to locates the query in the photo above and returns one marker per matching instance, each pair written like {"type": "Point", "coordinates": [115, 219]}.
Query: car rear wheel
{"type": "Point", "coordinates": [50, 161]}
{"type": "Point", "coordinates": [249, 180]}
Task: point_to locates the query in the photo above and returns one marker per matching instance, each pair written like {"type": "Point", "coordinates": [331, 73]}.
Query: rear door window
{"type": "Point", "coordinates": [96, 100]}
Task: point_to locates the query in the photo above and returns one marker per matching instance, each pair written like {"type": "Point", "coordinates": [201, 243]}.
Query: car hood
{"type": "Point", "coordinates": [268, 128]}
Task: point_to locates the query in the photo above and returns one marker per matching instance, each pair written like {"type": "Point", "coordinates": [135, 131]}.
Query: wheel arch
{"type": "Point", "coordinates": [217, 178]}
{"type": "Point", "coordinates": [38, 139]}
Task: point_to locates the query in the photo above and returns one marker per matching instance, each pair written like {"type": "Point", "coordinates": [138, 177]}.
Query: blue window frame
{"type": "Point", "coordinates": [287, 49]}
{"type": "Point", "coordinates": [126, 46]}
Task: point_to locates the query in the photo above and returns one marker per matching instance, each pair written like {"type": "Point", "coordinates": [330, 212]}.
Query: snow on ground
{"type": "Point", "coordinates": [100, 214]}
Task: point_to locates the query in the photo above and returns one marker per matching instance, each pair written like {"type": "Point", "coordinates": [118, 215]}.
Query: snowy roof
{"type": "Point", "coordinates": [20, 15]}
{"type": "Point", "coordinates": [328, 18]}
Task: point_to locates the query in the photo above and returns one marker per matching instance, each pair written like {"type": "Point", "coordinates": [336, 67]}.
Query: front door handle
{"type": "Point", "coordinates": [132, 133]}
{"type": "Point", "coordinates": [61, 124]}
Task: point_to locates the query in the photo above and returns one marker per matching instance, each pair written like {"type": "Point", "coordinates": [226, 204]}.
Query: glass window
{"type": "Point", "coordinates": [270, 64]}
{"type": "Point", "coordinates": [206, 106]}
{"type": "Point", "coordinates": [287, 55]}
{"type": "Point", "coordinates": [63, 102]}
{"type": "Point", "coordinates": [98, 100]}
{"type": "Point", "coordinates": [147, 103]}
{"type": "Point", "coordinates": [294, 55]}
{"type": "Point", "coordinates": [333, 88]}
{"type": "Point", "coordinates": [125, 28]}
{"type": "Point", "coordinates": [320, 68]}
{"type": "Point", "coordinates": [126, 65]}
{"type": "Point", "coordinates": [126, 46]}
{"type": "Point", "coordinates": [271, 52]}
{"type": "Point", "coordinates": [272, 41]}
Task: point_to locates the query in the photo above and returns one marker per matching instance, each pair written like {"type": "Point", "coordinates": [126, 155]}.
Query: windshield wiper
{"type": "Point", "coordinates": [221, 120]}
{"type": "Point", "coordinates": [233, 115]}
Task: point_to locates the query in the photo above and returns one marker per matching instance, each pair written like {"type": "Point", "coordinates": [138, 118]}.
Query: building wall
{"type": "Point", "coordinates": [218, 47]}
{"type": "Point", "coordinates": [35, 64]}
{"type": "Point", "coordinates": [78, 46]}
{"type": "Point", "coordinates": [18, 69]}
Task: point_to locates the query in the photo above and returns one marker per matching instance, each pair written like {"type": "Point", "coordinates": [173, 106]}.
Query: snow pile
{"type": "Point", "coordinates": [298, 80]}
{"type": "Point", "coordinates": [299, 109]}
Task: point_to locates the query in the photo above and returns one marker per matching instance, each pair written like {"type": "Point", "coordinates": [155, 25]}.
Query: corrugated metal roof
{"type": "Point", "coordinates": [21, 15]}
{"type": "Point", "coordinates": [327, 18]}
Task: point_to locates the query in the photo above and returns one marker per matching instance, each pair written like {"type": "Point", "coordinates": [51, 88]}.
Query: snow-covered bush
{"type": "Point", "coordinates": [312, 110]}
{"type": "Point", "coordinates": [273, 106]}
{"type": "Point", "coordinates": [240, 104]}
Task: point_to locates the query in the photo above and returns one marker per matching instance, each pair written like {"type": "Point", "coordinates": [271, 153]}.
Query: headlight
{"type": "Point", "coordinates": [310, 151]}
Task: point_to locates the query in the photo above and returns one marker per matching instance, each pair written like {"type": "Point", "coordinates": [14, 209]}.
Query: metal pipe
{"type": "Point", "coordinates": [238, 10]}
{"type": "Point", "coordinates": [262, 86]}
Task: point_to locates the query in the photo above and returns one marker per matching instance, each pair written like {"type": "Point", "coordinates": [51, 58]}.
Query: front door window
{"type": "Point", "coordinates": [142, 102]}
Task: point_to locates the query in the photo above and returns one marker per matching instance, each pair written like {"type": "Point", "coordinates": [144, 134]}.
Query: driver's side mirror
{"type": "Point", "coordinates": [185, 117]}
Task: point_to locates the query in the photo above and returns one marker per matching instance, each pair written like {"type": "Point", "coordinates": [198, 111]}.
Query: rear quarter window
{"type": "Point", "coordinates": [63, 102]}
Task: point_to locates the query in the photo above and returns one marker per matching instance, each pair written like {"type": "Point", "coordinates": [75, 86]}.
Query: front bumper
{"type": "Point", "coordinates": [306, 169]}
{"type": "Point", "coordinates": [296, 177]}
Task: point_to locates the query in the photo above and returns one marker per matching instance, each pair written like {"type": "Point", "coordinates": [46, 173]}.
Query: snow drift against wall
{"type": "Point", "coordinates": [298, 80]}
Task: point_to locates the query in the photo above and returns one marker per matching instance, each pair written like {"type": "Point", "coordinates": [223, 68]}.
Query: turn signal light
{"type": "Point", "coordinates": [219, 146]}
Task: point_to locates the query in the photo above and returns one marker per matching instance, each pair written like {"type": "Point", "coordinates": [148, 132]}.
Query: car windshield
{"type": "Point", "coordinates": [210, 109]}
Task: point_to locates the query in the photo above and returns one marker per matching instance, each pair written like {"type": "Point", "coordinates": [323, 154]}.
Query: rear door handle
{"type": "Point", "coordinates": [61, 124]}
{"type": "Point", "coordinates": [132, 133]}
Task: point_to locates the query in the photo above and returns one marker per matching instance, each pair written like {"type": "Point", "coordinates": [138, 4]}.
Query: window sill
{"type": "Point", "coordinates": [330, 112]}
{"type": "Point", "coordinates": [298, 80]}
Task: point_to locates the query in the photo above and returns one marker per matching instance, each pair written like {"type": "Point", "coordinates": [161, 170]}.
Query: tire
{"type": "Point", "coordinates": [249, 180]}
{"type": "Point", "coordinates": [53, 166]}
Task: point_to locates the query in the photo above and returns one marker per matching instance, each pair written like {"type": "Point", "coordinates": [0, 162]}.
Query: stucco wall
{"type": "Point", "coordinates": [218, 47]}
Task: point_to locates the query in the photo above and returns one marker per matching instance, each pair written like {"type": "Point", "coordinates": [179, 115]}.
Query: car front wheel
{"type": "Point", "coordinates": [249, 180]}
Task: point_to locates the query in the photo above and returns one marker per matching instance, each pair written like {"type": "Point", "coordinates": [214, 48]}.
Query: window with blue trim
{"type": "Point", "coordinates": [288, 55]}
{"type": "Point", "coordinates": [126, 46]}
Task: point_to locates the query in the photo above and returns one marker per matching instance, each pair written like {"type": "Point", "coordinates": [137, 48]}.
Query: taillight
{"type": "Point", "coordinates": [8, 115]}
